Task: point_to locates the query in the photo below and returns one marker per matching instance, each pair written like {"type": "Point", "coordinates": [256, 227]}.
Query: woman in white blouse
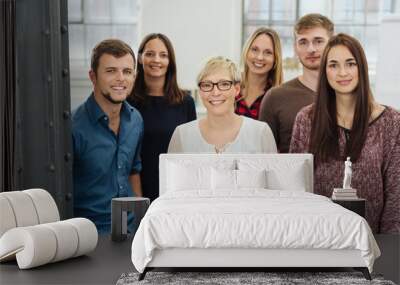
{"type": "Point", "coordinates": [221, 130]}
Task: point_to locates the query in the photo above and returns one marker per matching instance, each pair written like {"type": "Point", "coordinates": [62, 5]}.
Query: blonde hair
{"type": "Point", "coordinates": [275, 75]}
{"type": "Point", "coordinates": [314, 20]}
{"type": "Point", "coordinates": [219, 63]}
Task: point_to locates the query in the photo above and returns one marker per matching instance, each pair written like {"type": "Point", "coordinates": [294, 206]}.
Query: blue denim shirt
{"type": "Point", "coordinates": [103, 160]}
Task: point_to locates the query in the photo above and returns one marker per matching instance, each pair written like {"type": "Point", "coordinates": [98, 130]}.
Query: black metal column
{"type": "Point", "coordinates": [43, 139]}
{"type": "Point", "coordinates": [7, 94]}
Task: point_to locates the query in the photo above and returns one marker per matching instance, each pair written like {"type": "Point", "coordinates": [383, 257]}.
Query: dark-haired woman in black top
{"type": "Point", "coordinates": [162, 104]}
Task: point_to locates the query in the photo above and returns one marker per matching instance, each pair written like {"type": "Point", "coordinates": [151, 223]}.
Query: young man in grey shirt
{"type": "Point", "coordinates": [280, 105]}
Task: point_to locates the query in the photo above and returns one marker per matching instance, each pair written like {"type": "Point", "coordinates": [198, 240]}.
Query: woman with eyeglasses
{"type": "Point", "coordinates": [346, 121]}
{"type": "Point", "coordinates": [221, 130]}
{"type": "Point", "coordinates": [160, 101]}
{"type": "Point", "coordinates": [262, 69]}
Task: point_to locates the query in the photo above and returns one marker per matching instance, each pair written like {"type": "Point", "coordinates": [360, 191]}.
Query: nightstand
{"type": "Point", "coordinates": [119, 215]}
{"type": "Point", "coordinates": [357, 205]}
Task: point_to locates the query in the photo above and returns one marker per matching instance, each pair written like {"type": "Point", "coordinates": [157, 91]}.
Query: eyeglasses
{"type": "Point", "coordinates": [222, 85]}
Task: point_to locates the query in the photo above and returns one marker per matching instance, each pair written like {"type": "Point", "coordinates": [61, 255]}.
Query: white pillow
{"type": "Point", "coordinates": [235, 179]}
{"type": "Point", "coordinates": [193, 175]}
{"type": "Point", "coordinates": [223, 179]}
{"type": "Point", "coordinates": [251, 178]}
{"type": "Point", "coordinates": [188, 178]}
{"type": "Point", "coordinates": [282, 174]}
{"type": "Point", "coordinates": [292, 179]}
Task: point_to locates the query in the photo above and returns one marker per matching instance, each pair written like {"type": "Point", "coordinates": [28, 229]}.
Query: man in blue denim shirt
{"type": "Point", "coordinates": [107, 134]}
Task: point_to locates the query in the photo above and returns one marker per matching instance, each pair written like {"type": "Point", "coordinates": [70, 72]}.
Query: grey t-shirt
{"type": "Point", "coordinates": [253, 137]}
{"type": "Point", "coordinates": [280, 106]}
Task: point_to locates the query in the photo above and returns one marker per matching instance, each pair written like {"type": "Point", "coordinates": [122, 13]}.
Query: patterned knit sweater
{"type": "Point", "coordinates": [376, 174]}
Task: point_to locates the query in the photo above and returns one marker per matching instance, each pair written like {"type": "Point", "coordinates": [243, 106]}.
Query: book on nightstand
{"type": "Point", "coordinates": [344, 194]}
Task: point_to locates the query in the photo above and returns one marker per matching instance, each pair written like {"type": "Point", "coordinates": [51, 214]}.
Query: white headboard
{"type": "Point", "coordinates": [204, 158]}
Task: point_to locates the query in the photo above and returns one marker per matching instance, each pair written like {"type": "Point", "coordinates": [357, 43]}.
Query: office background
{"type": "Point", "coordinates": [45, 47]}
{"type": "Point", "coordinates": [199, 29]}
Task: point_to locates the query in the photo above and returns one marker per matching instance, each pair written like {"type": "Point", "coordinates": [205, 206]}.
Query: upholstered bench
{"type": "Point", "coordinates": [31, 231]}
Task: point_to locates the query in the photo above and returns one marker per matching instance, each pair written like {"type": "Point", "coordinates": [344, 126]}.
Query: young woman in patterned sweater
{"type": "Point", "coordinates": [346, 121]}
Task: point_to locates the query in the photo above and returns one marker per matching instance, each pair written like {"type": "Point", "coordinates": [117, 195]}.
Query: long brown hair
{"type": "Point", "coordinates": [275, 75]}
{"type": "Point", "coordinates": [324, 140]}
{"type": "Point", "coordinates": [172, 92]}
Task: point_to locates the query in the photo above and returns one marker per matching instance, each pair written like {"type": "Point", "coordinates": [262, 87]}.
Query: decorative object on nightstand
{"type": "Point", "coordinates": [347, 192]}
{"type": "Point", "coordinates": [347, 196]}
{"type": "Point", "coordinates": [348, 172]}
{"type": "Point", "coordinates": [119, 215]}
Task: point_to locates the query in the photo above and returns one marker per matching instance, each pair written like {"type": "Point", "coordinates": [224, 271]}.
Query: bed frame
{"type": "Point", "coordinates": [242, 259]}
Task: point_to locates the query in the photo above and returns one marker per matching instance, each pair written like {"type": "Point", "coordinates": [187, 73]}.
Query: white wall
{"type": "Point", "coordinates": [388, 65]}
{"type": "Point", "coordinates": [197, 29]}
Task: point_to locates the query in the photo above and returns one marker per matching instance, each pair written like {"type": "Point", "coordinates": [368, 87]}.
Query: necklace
{"type": "Point", "coordinates": [222, 148]}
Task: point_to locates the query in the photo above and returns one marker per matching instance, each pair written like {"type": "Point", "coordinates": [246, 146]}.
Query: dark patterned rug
{"type": "Point", "coordinates": [270, 278]}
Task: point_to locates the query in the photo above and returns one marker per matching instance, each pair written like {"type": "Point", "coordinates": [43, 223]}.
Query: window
{"type": "Point", "coordinates": [91, 21]}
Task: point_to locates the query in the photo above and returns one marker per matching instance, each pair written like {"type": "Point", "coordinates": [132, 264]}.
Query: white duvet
{"type": "Point", "coordinates": [253, 218]}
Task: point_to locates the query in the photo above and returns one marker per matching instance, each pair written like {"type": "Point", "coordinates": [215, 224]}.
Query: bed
{"type": "Point", "coordinates": [246, 211]}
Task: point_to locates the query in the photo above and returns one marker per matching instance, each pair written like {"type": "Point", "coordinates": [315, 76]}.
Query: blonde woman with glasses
{"type": "Point", "coordinates": [221, 130]}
